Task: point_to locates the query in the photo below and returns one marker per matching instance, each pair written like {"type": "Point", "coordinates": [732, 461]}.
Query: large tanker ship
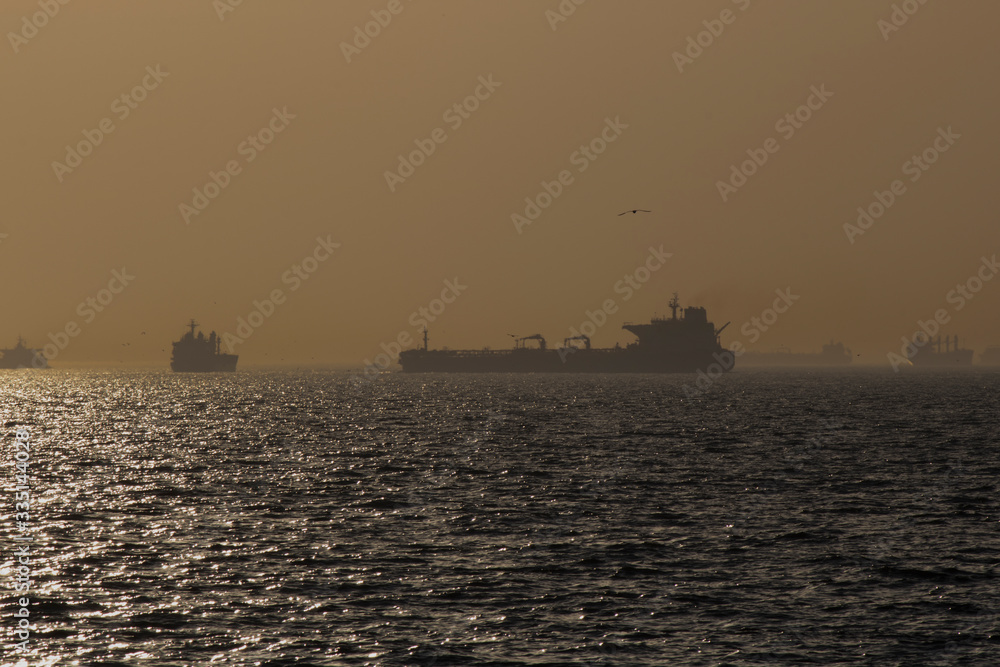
{"type": "Point", "coordinates": [678, 344]}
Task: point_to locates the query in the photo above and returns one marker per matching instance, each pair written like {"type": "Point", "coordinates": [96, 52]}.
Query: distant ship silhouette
{"type": "Point", "coordinates": [198, 354]}
{"type": "Point", "coordinates": [931, 355]}
{"type": "Point", "coordinates": [21, 356]}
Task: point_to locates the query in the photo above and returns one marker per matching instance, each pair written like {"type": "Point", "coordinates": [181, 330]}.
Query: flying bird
{"type": "Point", "coordinates": [634, 211]}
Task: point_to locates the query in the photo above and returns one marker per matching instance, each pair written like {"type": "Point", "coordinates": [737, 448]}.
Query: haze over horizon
{"type": "Point", "coordinates": [295, 116]}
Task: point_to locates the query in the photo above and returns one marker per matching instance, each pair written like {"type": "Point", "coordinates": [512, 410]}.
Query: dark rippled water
{"type": "Point", "coordinates": [279, 518]}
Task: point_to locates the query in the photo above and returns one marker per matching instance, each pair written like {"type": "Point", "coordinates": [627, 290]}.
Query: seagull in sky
{"type": "Point", "coordinates": [634, 211]}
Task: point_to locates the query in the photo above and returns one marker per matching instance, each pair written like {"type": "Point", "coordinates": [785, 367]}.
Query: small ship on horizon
{"type": "Point", "coordinates": [684, 344]}
{"type": "Point", "coordinates": [21, 356]}
{"type": "Point", "coordinates": [197, 354]}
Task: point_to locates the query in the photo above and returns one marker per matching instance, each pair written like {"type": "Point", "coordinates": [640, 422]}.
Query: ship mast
{"type": "Point", "coordinates": [425, 339]}
{"type": "Point", "coordinates": [193, 325]}
{"type": "Point", "coordinates": [674, 305]}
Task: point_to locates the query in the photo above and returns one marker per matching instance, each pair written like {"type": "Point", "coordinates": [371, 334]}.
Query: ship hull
{"type": "Point", "coordinates": [221, 363]}
{"type": "Point", "coordinates": [958, 358]}
{"type": "Point", "coordinates": [564, 360]}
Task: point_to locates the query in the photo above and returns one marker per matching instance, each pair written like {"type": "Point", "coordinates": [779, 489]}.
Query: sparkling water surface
{"type": "Point", "coordinates": [301, 518]}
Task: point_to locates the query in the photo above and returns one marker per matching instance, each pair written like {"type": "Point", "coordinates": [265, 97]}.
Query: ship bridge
{"type": "Point", "coordinates": [690, 330]}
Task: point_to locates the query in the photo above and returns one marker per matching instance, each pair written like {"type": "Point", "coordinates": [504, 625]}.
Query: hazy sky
{"type": "Point", "coordinates": [207, 83]}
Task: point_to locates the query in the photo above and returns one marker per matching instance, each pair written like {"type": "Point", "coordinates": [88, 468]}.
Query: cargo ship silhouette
{"type": "Point", "coordinates": [684, 344]}
{"type": "Point", "coordinates": [21, 356]}
{"type": "Point", "coordinates": [199, 354]}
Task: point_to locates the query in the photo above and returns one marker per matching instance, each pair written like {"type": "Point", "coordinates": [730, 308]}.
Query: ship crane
{"type": "Point", "coordinates": [583, 337]}
{"type": "Point", "coordinates": [520, 342]}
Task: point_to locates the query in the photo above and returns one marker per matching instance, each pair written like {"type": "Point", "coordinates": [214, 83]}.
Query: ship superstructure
{"type": "Point", "coordinates": [196, 353]}
{"type": "Point", "coordinates": [683, 343]}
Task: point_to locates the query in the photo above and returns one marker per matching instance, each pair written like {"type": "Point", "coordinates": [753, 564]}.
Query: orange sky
{"type": "Point", "coordinates": [212, 91]}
